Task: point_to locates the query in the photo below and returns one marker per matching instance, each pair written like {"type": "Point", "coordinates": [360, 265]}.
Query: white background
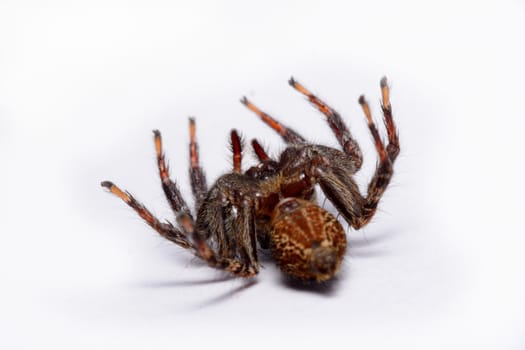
{"type": "Point", "coordinates": [82, 85]}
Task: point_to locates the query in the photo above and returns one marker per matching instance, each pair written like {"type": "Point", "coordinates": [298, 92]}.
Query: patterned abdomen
{"type": "Point", "coordinates": [307, 242]}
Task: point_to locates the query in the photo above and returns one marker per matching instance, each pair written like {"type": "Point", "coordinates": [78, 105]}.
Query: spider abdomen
{"type": "Point", "coordinates": [307, 241]}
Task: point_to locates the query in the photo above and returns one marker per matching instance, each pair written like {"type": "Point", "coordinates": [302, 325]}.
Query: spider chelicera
{"type": "Point", "coordinates": [273, 204]}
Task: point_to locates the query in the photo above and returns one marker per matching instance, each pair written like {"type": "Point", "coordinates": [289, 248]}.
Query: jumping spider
{"type": "Point", "coordinates": [273, 203]}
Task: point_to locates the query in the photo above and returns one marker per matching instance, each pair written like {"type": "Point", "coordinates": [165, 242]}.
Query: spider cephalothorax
{"type": "Point", "coordinates": [273, 203]}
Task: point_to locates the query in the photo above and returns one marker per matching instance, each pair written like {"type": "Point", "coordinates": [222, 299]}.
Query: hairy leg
{"type": "Point", "coordinates": [199, 245]}
{"type": "Point", "coordinates": [393, 146]}
{"type": "Point", "coordinates": [236, 147]}
{"type": "Point", "coordinates": [166, 230]}
{"type": "Point", "coordinates": [199, 186]}
{"type": "Point", "coordinates": [171, 190]}
{"type": "Point", "coordinates": [288, 135]}
{"type": "Point", "coordinates": [240, 225]}
{"type": "Point", "coordinates": [339, 186]}
{"type": "Point", "coordinates": [259, 151]}
{"type": "Point", "coordinates": [187, 236]}
{"type": "Point", "coordinates": [226, 221]}
{"type": "Point", "coordinates": [336, 123]}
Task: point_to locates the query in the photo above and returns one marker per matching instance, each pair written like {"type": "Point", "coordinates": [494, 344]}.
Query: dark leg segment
{"type": "Point", "coordinates": [227, 221]}
{"type": "Point", "coordinates": [199, 186]}
{"type": "Point", "coordinates": [288, 135]}
{"type": "Point", "coordinates": [233, 266]}
{"type": "Point", "coordinates": [259, 151]}
{"type": "Point", "coordinates": [336, 123]}
{"type": "Point", "coordinates": [225, 259]}
{"type": "Point", "coordinates": [244, 233]}
{"type": "Point", "coordinates": [236, 146]}
{"type": "Point", "coordinates": [380, 148]}
{"type": "Point", "coordinates": [343, 192]}
{"type": "Point", "coordinates": [171, 190]}
{"type": "Point", "coordinates": [393, 146]}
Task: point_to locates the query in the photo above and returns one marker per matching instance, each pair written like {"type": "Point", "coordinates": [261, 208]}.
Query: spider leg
{"type": "Point", "coordinates": [380, 147]}
{"type": "Point", "coordinates": [232, 266]}
{"type": "Point", "coordinates": [240, 229]}
{"type": "Point", "coordinates": [170, 188]}
{"type": "Point", "coordinates": [171, 233]}
{"type": "Point", "coordinates": [224, 259]}
{"type": "Point", "coordinates": [393, 139]}
{"type": "Point", "coordinates": [226, 220]}
{"type": "Point", "coordinates": [288, 135]}
{"type": "Point", "coordinates": [236, 146]}
{"type": "Point", "coordinates": [336, 123]}
{"type": "Point", "coordinates": [344, 193]}
{"type": "Point", "coordinates": [250, 234]}
{"type": "Point", "coordinates": [341, 189]}
{"type": "Point", "coordinates": [266, 168]}
{"type": "Point", "coordinates": [166, 230]}
{"type": "Point", "coordinates": [239, 225]}
{"type": "Point", "coordinates": [220, 261]}
{"type": "Point", "coordinates": [199, 186]}
{"type": "Point", "coordinates": [259, 151]}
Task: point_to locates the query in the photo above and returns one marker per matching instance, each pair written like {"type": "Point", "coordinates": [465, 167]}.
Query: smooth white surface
{"type": "Point", "coordinates": [83, 84]}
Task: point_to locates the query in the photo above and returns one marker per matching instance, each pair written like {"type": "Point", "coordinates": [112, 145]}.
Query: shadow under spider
{"type": "Point", "coordinates": [355, 250]}
{"type": "Point", "coordinates": [187, 283]}
{"type": "Point", "coordinates": [190, 283]}
{"type": "Point", "coordinates": [225, 296]}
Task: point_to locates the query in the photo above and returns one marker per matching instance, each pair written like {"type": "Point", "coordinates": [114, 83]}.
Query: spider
{"type": "Point", "coordinates": [273, 204]}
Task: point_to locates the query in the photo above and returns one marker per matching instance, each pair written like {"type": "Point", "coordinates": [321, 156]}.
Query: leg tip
{"type": "Point", "coordinates": [234, 134]}
{"type": "Point", "coordinates": [384, 82]}
{"type": "Point", "coordinates": [107, 184]}
{"type": "Point", "coordinates": [125, 196]}
{"type": "Point", "coordinates": [192, 129]}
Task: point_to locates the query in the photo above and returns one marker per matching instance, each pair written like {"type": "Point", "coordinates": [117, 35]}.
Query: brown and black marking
{"type": "Point", "coordinates": [307, 241]}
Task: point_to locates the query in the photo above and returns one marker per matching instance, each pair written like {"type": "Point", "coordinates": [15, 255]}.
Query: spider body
{"type": "Point", "coordinates": [306, 241]}
{"type": "Point", "coordinates": [273, 203]}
